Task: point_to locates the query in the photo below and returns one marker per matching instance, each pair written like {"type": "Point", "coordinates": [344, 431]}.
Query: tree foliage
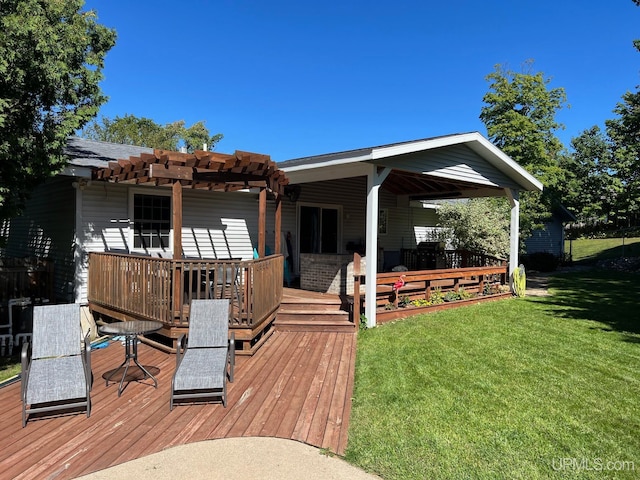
{"type": "Point", "coordinates": [479, 225]}
{"type": "Point", "coordinates": [51, 60]}
{"type": "Point", "coordinates": [144, 132]}
{"type": "Point", "coordinates": [519, 114]}
{"type": "Point", "coordinates": [604, 168]}
{"type": "Point", "coordinates": [591, 186]}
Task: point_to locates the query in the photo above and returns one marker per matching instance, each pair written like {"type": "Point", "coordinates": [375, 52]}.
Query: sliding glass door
{"type": "Point", "coordinates": [319, 229]}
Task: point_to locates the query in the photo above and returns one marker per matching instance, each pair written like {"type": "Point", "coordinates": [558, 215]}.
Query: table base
{"type": "Point", "coordinates": [130, 372]}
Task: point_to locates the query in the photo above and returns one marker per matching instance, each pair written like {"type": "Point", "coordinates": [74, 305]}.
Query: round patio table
{"type": "Point", "coordinates": [130, 331]}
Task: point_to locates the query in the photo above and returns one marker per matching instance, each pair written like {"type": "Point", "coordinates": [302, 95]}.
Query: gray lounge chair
{"type": "Point", "coordinates": [56, 369]}
{"type": "Point", "coordinates": [203, 366]}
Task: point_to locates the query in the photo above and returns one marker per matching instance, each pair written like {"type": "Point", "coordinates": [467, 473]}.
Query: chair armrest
{"type": "Point", "coordinates": [180, 348]}
{"type": "Point", "coordinates": [232, 355]}
{"type": "Point", "coordinates": [86, 357]}
{"type": "Point", "coordinates": [25, 360]}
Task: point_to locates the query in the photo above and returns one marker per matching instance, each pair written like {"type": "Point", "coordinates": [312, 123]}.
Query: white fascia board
{"type": "Point", "coordinates": [329, 163]}
{"type": "Point", "coordinates": [73, 171]}
{"type": "Point", "coordinates": [327, 172]}
{"type": "Point", "coordinates": [478, 144]}
{"type": "Point", "coordinates": [505, 163]}
{"type": "Point", "coordinates": [421, 145]}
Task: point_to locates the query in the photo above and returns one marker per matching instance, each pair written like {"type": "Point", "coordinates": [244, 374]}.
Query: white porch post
{"type": "Point", "coordinates": [374, 180]}
{"type": "Point", "coordinates": [514, 244]}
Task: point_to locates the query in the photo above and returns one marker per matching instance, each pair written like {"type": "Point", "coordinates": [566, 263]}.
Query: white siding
{"type": "Point", "coordinates": [350, 194]}
{"type": "Point", "coordinates": [457, 163]}
{"type": "Point", "coordinates": [220, 225]}
{"type": "Point", "coordinates": [214, 225]}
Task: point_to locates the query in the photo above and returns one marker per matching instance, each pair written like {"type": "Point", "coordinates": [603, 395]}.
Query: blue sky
{"type": "Point", "coordinates": [297, 78]}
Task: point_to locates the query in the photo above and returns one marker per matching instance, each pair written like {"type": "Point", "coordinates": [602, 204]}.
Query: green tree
{"type": "Point", "coordinates": [132, 130]}
{"type": "Point", "coordinates": [624, 134]}
{"type": "Point", "coordinates": [519, 114]}
{"type": "Point", "coordinates": [51, 61]}
{"type": "Point", "coordinates": [591, 185]}
{"type": "Point", "coordinates": [478, 225]}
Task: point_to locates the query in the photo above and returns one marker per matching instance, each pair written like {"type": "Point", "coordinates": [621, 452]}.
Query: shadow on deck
{"type": "Point", "coordinates": [298, 386]}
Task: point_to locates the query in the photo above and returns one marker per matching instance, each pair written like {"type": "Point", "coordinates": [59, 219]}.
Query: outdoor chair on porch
{"type": "Point", "coordinates": [202, 367]}
{"type": "Point", "coordinates": [56, 368]}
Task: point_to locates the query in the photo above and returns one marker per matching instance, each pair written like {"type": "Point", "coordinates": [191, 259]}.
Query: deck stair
{"type": "Point", "coordinates": [302, 311]}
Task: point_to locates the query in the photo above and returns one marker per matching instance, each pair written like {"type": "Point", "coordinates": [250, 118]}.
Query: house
{"type": "Point", "coordinates": [124, 200]}
{"type": "Point", "coordinates": [550, 238]}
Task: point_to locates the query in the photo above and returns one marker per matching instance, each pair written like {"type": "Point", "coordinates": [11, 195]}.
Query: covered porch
{"type": "Point", "coordinates": [379, 188]}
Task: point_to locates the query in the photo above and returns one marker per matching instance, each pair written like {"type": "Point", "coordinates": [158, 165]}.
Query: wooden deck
{"type": "Point", "coordinates": [298, 386]}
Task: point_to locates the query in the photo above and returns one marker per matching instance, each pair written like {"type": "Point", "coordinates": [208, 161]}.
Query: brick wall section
{"type": "Point", "coordinates": [328, 273]}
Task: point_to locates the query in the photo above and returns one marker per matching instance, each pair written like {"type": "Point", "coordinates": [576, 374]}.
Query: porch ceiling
{"type": "Point", "coordinates": [198, 170]}
{"type": "Point", "coordinates": [423, 187]}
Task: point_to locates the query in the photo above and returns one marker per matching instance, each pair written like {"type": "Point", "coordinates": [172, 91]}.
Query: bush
{"type": "Point", "coordinates": [437, 297]}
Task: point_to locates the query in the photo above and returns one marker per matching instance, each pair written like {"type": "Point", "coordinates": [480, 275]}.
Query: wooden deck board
{"type": "Point", "coordinates": [293, 387]}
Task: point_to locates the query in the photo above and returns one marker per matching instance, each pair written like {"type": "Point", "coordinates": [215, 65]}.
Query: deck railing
{"type": "Point", "coordinates": [161, 289]}
{"type": "Point", "coordinates": [484, 281]}
{"type": "Point", "coordinates": [421, 284]}
{"type": "Point", "coordinates": [421, 259]}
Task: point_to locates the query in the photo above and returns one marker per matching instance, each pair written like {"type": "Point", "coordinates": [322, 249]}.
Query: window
{"type": "Point", "coordinates": [319, 229]}
{"type": "Point", "coordinates": [151, 221]}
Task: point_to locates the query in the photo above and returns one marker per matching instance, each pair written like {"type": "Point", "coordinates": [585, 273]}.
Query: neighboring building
{"type": "Point", "coordinates": [550, 239]}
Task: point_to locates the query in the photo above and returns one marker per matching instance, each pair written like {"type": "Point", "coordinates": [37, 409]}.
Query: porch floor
{"type": "Point", "coordinates": [297, 386]}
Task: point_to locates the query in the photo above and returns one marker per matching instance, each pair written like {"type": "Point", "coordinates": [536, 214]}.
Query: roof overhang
{"type": "Point", "coordinates": [357, 162]}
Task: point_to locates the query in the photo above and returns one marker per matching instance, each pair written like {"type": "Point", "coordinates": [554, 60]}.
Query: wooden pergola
{"type": "Point", "coordinates": [131, 286]}
{"type": "Point", "coordinates": [204, 170]}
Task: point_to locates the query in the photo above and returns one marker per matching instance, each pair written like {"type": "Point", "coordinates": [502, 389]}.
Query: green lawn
{"type": "Point", "coordinates": [530, 388]}
{"type": "Point", "coordinates": [587, 249]}
{"type": "Point", "coordinates": [9, 366]}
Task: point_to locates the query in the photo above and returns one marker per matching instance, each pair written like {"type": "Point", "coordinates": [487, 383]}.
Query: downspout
{"type": "Point", "coordinates": [374, 180]}
{"type": "Point", "coordinates": [514, 232]}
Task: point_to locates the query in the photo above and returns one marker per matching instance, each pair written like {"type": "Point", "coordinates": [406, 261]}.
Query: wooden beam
{"type": "Point", "coordinates": [209, 176]}
{"type": "Point", "coordinates": [172, 172]}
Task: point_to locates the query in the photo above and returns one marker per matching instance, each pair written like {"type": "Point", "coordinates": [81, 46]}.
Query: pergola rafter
{"type": "Point", "coordinates": [198, 170]}
{"type": "Point", "coordinates": [202, 170]}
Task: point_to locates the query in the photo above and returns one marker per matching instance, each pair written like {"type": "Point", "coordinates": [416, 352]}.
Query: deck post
{"type": "Point", "coordinates": [374, 181]}
{"type": "Point", "coordinates": [177, 247]}
{"type": "Point", "coordinates": [356, 288]}
{"type": "Point", "coordinates": [177, 219]}
{"type": "Point", "coordinates": [262, 221]}
{"type": "Point", "coordinates": [277, 241]}
{"type": "Point", "coordinates": [514, 201]}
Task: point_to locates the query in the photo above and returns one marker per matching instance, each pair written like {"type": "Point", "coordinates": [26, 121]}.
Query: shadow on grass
{"type": "Point", "coordinates": [608, 297]}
